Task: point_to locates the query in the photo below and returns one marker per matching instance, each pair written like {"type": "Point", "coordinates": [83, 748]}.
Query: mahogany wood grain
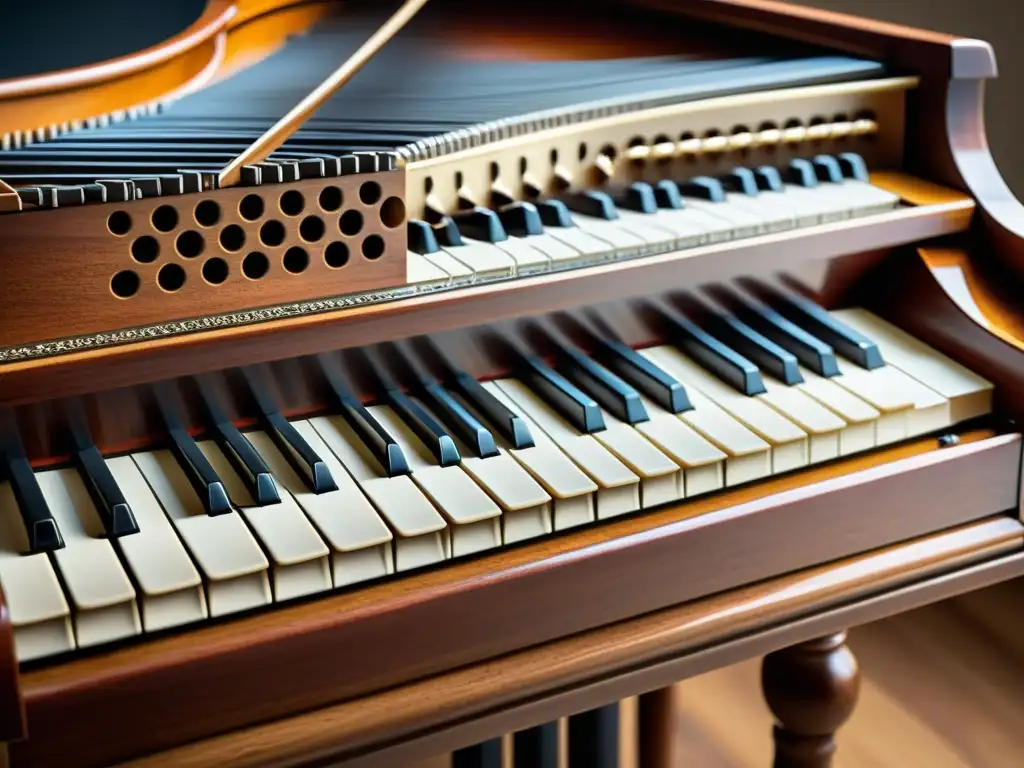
{"type": "Point", "coordinates": [411, 627]}
{"type": "Point", "coordinates": [12, 710]}
{"type": "Point", "coordinates": [533, 686]}
{"type": "Point", "coordinates": [99, 369]}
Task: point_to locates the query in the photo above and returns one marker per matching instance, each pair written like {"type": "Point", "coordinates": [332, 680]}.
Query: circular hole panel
{"type": "Point", "coordinates": [165, 218]}
{"type": "Point", "coordinates": [272, 233]}
{"type": "Point", "coordinates": [125, 284]}
{"type": "Point", "coordinates": [311, 229]}
{"type": "Point", "coordinates": [330, 199]}
{"type": "Point", "coordinates": [145, 249]}
{"type": "Point", "coordinates": [255, 265]}
{"type": "Point", "coordinates": [373, 247]}
{"type": "Point", "coordinates": [232, 238]}
{"type": "Point", "coordinates": [207, 213]}
{"type": "Point", "coordinates": [350, 223]}
{"type": "Point", "coordinates": [251, 207]}
{"type": "Point", "coordinates": [292, 203]}
{"type": "Point", "coordinates": [392, 212]}
{"type": "Point", "coordinates": [171, 277]}
{"type": "Point", "coordinates": [295, 260]}
{"type": "Point", "coordinates": [370, 193]}
{"type": "Point", "coordinates": [119, 223]}
{"type": "Point", "coordinates": [190, 244]}
{"type": "Point", "coordinates": [215, 270]}
{"type": "Point", "coordinates": [336, 255]}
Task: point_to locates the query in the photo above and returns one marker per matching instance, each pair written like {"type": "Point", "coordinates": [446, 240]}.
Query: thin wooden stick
{"type": "Point", "coordinates": [301, 112]}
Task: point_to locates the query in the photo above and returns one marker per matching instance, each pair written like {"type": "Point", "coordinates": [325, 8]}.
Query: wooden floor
{"type": "Point", "coordinates": [943, 687]}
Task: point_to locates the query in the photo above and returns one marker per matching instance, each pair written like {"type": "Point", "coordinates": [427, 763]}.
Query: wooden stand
{"type": "Point", "coordinates": [811, 689]}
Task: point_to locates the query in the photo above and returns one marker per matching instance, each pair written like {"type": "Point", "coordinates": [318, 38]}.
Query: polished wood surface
{"type": "Point", "coordinates": [534, 686]}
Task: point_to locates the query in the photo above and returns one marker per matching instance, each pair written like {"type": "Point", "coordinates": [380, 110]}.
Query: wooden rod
{"type": "Point", "coordinates": [9, 200]}
{"type": "Point", "coordinates": [301, 112]}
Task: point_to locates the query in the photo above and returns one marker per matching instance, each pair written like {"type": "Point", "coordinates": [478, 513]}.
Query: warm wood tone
{"type": "Point", "coordinates": [440, 714]}
{"type": "Point", "coordinates": [657, 715]}
{"type": "Point", "coordinates": [145, 361]}
{"type": "Point", "coordinates": [12, 710]}
{"type": "Point", "coordinates": [811, 689]}
{"type": "Point", "coordinates": [47, 294]}
{"type": "Point", "coordinates": [416, 626]}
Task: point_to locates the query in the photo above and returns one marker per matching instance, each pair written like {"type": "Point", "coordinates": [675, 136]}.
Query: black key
{"type": "Point", "coordinates": [508, 424]}
{"type": "Point", "coordinates": [638, 196]}
{"type": "Point", "coordinates": [554, 213]}
{"type": "Point", "coordinates": [591, 202]}
{"type": "Point", "coordinates": [742, 180]}
{"type": "Point", "coordinates": [609, 390]}
{"type": "Point", "coordinates": [812, 352]}
{"type": "Point", "coordinates": [421, 237]}
{"type": "Point", "coordinates": [307, 464]}
{"type": "Point", "coordinates": [447, 232]}
{"type": "Point", "coordinates": [40, 525]}
{"type": "Point", "coordinates": [461, 421]}
{"type": "Point", "coordinates": [536, 747]}
{"type": "Point", "coordinates": [433, 435]}
{"type": "Point", "coordinates": [828, 169]}
{"type": "Point", "coordinates": [577, 407]}
{"type": "Point", "coordinates": [762, 351]}
{"type": "Point", "coordinates": [716, 357]}
{"type": "Point", "coordinates": [484, 755]}
{"type": "Point", "coordinates": [370, 431]}
{"type": "Point", "coordinates": [704, 188]}
{"type": "Point", "coordinates": [594, 738]}
{"type": "Point", "coordinates": [246, 460]}
{"type": "Point", "coordinates": [666, 193]}
{"type": "Point", "coordinates": [817, 321]}
{"type": "Point", "coordinates": [521, 219]}
{"type": "Point", "coordinates": [633, 367]}
{"type": "Point", "coordinates": [480, 223]}
{"type": "Point", "coordinates": [115, 514]}
{"type": "Point", "coordinates": [768, 179]}
{"type": "Point", "coordinates": [853, 166]}
{"type": "Point", "coordinates": [802, 173]}
{"type": "Point", "coordinates": [200, 473]}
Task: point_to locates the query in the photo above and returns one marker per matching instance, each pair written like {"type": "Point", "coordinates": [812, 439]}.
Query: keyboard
{"type": "Point", "coordinates": [747, 381]}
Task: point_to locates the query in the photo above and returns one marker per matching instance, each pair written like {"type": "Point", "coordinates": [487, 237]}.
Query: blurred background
{"type": "Point", "coordinates": [999, 22]}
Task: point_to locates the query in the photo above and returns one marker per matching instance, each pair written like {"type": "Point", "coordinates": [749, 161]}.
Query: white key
{"type": "Point", "coordinates": [867, 199]}
{"type": "Point", "coordinates": [703, 464]}
{"type": "Point", "coordinates": [458, 273]}
{"type": "Point", "coordinates": [172, 590]}
{"type": "Point", "coordinates": [36, 604]}
{"type": "Point", "coordinates": [422, 535]}
{"type": "Point", "coordinates": [619, 487]}
{"type": "Point", "coordinates": [572, 489]}
{"type": "Point", "coordinates": [969, 394]}
{"type": "Point", "coordinates": [661, 478]}
{"type": "Point", "coordinates": [483, 258]}
{"type": "Point", "coordinates": [742, 222]}
{"type": "Point", "coordinates": [823, 426]}
{"type": "Point", "coordinates": [558, 251]}
{"type": "Point", "coordinates": [298, 556]}
{"type": "Point", "coordinates": [529, 260]}
{"type": "Point", "coordinates": [772, 216]}
{"type": "Point", "coordinates": [861, 418]}
{"type": "Point", "coordinates": [231, 562]}
{"type": "Point", "coordinates": [908, 407]}
{"type": "Point", "coordinates": [420, 271]}
{"type": "Point", "coordinates": [684, 233]}
{"type": "Point", "coordinates": [657, 235]}
{"type": "Point", "coordinates": [100, 591]}
{"type": "Point", "coordinates": [621, 241]}
{"type": "Point", "coordinates": [474, 522]}
{"type": "Point", "coordinates": [713, 229]}
{"type": "Point", "coordinates": [789, 442]}
{"type": "Point", "coordinates": [821, 203]}
{"type": "Point", "coordinates": [360, 542]}
{"type": "Point", "coordinates": [591, 246]}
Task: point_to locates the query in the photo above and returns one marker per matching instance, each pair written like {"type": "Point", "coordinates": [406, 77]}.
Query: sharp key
{"type": "Point", "coordinates": [638, 196]}
{"type": "Point", "coordinates": [802, 173]}
{"type": "Point", "coordinates": [554, 213]}
{"type": "Point", "coordinates": [40, 524]}
{"type": "Point", "coordinates": [763, 352]}
{"type": "Point", "coordinates": [383, 447]}
{"type": "Point", "coordinates": [828, 169]}
{"type": "Point", "coordinates": [666, 194]}
{"type": "Point", "coordinates": [577, 407]}
{"type": "Point", "coordinates": [447, 232]}
{"type": "Point", "coordinates": [611, 392]}
{"type": "Point", "coordinates": [440, 444]}
{"type": "Point", "coordinates": [521, 219]}
{"type": "Point", "coordinates": [293, 446]}
{"type": "Point", "coordinates": [115, 514]}
{"type": "Point", "coordinates": [769, 179]}
{"type": "Point", "coordinates": [591, 202]}
{"type": "Point", "coordinates": [854, 167]}
{"type": "Point", "coordinates": [422, 238]}
{"type": "Point", "coordinates": [716, 357]}
{"type": "Point", "coordinates": [480, 223]}
{"type": "Point", "coordinates": [655, 383]}
{"type": "Point", "coordinates": [742, 180]}
{"type": "Point", "coordinates": [461, 421]}
{"type": "Point", "coordinates": [703, 188]}
{"type": "Point", "coordinates": [816, 320]}
{"type": "Point", "coordinates": [508, 423]}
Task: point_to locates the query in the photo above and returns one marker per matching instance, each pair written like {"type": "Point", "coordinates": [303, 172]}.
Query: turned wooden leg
{"type": "Point", "coordinates": [811, 689]}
